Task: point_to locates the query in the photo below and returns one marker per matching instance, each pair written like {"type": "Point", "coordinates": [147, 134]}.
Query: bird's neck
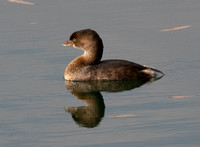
{"type": "Point", "coordinates": [92, 55]}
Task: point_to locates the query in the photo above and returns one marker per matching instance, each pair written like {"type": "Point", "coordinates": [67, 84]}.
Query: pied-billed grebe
{"type": "Point", "coordinates": [89, 67]}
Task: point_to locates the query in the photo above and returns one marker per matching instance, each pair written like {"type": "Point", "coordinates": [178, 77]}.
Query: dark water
{"type": "Point", "coordinates": [33, 95]}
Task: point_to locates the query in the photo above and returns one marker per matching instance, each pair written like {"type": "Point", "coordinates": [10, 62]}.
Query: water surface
{"type": "Point", "coordinates": [33, 95]}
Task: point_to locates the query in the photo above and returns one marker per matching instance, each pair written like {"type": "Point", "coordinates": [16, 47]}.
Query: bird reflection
{"type": "Point", "coordinates": [90, 116]}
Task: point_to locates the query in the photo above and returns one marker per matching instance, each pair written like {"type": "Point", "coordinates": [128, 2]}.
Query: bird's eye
{"type": "Point", "coordinates": [74, 39]}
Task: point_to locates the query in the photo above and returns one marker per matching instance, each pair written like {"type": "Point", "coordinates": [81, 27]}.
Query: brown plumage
{"type": "Point", "coordinates": [88, 66]}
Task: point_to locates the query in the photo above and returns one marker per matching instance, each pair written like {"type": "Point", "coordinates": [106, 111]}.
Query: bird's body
{"type": "Point", "coordinates": [89, 67]}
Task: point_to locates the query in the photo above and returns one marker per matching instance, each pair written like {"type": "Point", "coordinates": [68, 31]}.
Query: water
{"type": "Point", "coordinates": [33, 95]}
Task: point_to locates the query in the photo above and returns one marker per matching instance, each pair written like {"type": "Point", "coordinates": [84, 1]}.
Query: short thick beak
{"type": "Point", "coordinates": [68, 43]}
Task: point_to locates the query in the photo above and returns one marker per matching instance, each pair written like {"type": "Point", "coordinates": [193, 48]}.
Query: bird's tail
{"type": "Point", "coordinates": [155, 73]}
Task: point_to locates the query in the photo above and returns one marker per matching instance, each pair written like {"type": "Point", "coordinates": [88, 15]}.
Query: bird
{"type": "Point", "coordinates": [90, 67]}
